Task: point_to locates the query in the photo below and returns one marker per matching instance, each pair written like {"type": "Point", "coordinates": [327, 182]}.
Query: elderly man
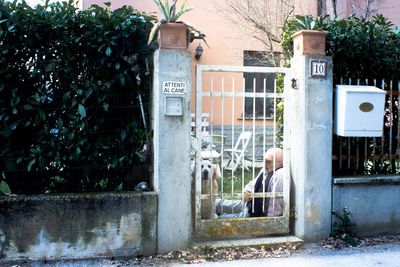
{"type": "Point", "coordinates": [270, 181]}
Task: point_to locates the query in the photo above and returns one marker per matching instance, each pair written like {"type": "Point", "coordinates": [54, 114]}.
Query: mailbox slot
{"type": "Point", "coordinates": [173, 106]}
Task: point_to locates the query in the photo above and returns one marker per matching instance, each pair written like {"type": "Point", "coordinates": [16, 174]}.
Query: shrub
{"type": "Point", "coordinates": [70, 117]}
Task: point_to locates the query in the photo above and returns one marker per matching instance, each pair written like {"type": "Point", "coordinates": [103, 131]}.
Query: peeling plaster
{"type": "Point", "coordinates": [313, 214]}
{"type": "Point", "coordinates": [320, 126]}
{"type": "Point", "coordinates": [113, 236]}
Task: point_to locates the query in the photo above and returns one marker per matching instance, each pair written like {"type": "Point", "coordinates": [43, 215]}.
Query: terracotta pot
{"type": "Point", "coordinates": [309, 42]}
{"type": "Point", "coordinates": [173, 36]}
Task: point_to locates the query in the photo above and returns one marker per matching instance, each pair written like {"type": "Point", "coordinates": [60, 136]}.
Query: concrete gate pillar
{"type": "Point", "coordinates": [309, 103]}
{"type": "Point", "coordinates": [171, 144]}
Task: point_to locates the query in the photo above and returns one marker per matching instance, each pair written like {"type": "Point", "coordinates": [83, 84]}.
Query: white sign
{"type": "Point", "coordinates": [176, 88]}
{"type": "Point", "coordinates": [318, 68]}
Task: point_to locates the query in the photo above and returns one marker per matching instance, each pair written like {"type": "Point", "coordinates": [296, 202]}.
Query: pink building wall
{"type": "Point", "coordinates": [306, 7]}
{"type": "Point", "coordinates": [388, 8]}
{"type": "Point", "coordinates": [391, 10]}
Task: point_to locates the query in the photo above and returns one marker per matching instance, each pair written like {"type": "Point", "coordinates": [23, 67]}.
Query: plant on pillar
{"type": "Point", "coordinates": [174, 34]}
{"type": "Point", "coordinates": [308, 23]}
{"type": "Point", "coordinates": [310, 40]}
{"type": "Point", "coordinates": [304, 35]}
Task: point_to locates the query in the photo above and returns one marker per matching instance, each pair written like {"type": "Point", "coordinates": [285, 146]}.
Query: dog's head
{"type": "Point", "coordinates": [209, 170]}
{"type": "Point", "coordinates": [210, 173]}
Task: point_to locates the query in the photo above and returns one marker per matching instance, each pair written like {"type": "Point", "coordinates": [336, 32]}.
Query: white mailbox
{"type": "Point", "coordinates": [359, 110]}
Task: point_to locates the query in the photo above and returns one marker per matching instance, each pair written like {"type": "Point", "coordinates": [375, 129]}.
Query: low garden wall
{"type": "Point", "coordinates": [373, 202]}
{"type": "Point", "coordinates": [78, 226]}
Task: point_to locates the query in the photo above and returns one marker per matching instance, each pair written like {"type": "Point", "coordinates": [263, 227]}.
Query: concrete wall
{"type": "Point", "coordinates": [78, 226]}
{"type": "Point", "coordinates": [373, 201]}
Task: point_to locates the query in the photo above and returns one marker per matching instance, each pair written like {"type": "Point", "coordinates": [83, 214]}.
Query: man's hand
{"type": "Point", "coordinates": [245, 196]}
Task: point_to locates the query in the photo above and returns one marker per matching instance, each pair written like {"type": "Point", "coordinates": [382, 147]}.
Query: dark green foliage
{"type": "Point", "coordinates": [70, 118]}
{"type": "Point", "coordinates": [364, 49]}
{"type": "Point", "coordinates": [343, 228]}
{"type": "Point", "coordinates": [360, 49]}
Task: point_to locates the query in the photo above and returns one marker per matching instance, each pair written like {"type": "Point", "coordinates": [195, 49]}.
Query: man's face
{"type": "Point", "coordinates": [269, 162]}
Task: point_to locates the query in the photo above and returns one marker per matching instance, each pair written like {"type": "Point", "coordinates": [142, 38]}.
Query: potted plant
{"type": "Point", "coordinates": [310, 40]}
{"type": "Point", "coordinates": [173, 34]}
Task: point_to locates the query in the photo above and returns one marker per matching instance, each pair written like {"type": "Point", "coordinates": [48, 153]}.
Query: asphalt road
{"type": "Point", "coordinates": [315, 256]}
{"type": "Point", "coordinates": [312, 255]}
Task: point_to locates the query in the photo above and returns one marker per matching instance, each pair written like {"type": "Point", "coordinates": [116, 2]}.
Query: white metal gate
{"type": "Point", "coordinates": [236, 121]}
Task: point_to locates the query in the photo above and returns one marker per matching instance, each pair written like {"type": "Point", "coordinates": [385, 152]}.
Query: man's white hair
{"type": "Point", "coordinates": [275, 151]}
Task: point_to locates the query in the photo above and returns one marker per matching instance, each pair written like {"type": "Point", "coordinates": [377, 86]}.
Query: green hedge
{"type": "Point", "coordinates": [70, 116]}
{"type": "Point", "coordinates": [359, 48]}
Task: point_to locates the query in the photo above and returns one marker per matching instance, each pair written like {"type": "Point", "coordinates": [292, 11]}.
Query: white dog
{"type": "Point", "coordinates": [210, 174]}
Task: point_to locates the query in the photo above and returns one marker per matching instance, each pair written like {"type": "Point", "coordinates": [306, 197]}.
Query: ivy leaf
{"type": "Point", "coordinates": [77, 151]}
{"type": "Point", "coordinates": [51, 67]}
{"type": "Point", "coordinates": [82, 110]}
{"type": "Point", "coordinates": [105, 106]}
{"type": "Point", "coordinates": [30, 164]}
{"type": "Point", "coordinates": [123, 134]}
{"type": "Point", "coordinates": [122, 79]}
{"type": "Point", "coordinates": [11, 28]}
{"type": "Point", "coordinates": [60, 123]}
{"type": "Point", "coordinates": [4, 188]}
{"type": "Point", "coordinates": [27, 107]}
{"type": "Point", "coordinates": [119, 188]}
{"type": "Point", "coordinates": [114, 162]}
{"type": "Point", "coordinates": [42, 115]}
{"type": "Point", "coordinates": [108, 51]}
{"type": "Point", "coordinates": [81, 125]}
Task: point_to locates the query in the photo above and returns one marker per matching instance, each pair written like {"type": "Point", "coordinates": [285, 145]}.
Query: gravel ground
{"type": "Point", "coordinates": [372, 251]}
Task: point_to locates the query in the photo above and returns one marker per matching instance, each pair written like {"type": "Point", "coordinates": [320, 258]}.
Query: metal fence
{"type": "Point", "coordinates": [371, 155]}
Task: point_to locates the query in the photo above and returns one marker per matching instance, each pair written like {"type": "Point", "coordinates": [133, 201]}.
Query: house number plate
{"type": "Point", "coordinates": [318, 68]}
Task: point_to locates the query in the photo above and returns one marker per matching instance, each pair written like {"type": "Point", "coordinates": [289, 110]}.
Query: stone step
{"type": "Point", "coordinates": [257, 241]}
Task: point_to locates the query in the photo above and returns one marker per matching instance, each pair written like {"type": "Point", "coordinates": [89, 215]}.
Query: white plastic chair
{"type": "Point", "coordinates": [236, 155]}
{"type": "Point", "coordinates": [210, 153]}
